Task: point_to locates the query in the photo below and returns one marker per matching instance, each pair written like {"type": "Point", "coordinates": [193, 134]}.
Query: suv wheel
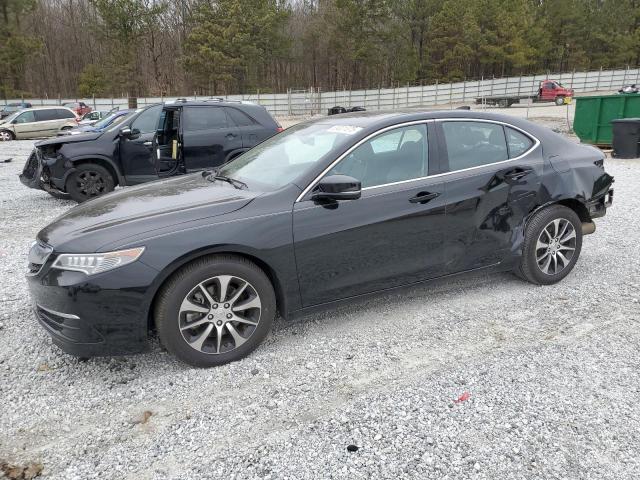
{"type": "Point", "coordinates": [6, 135]}
{"type": "Point", "coordinates": [552, 244]}
{"type": "Point", "coordinates": [215, 310]}
{"type": "Point", "coordinates": [89, 181]}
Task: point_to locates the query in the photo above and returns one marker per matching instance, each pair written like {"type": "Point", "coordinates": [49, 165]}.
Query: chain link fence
{"type": "Point", "coordinates": [312, 101]}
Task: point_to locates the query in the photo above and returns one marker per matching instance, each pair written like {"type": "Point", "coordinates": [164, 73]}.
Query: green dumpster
{"type": "Point", "coordinates": [592, 121]}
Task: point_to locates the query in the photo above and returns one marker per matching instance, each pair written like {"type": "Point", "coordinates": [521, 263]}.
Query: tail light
{"type": "Point", "coordinates": [279, 129]}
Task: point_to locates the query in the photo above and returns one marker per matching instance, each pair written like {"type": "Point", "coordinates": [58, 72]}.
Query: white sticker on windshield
{"type": "Point", "coordinates": [346, 129]}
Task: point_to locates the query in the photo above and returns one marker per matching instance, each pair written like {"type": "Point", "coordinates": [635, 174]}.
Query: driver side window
{"type": "Point", "coordinates": [147, 121]}
{"type": "Point", "coordinates": [394, 156]}
{"type": "Point", "coordinates": [473, 144]}
{"type": "Point", "coordinates": [26, 117]}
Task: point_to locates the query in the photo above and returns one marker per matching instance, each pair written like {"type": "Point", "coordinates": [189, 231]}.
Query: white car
{"type": "Point", "coordinates": [37, 122]}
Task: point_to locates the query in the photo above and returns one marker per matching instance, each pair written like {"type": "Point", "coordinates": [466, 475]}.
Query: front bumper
{"type": "Point", "coordinates": [35, 174]}
{"type": "Point", "coordinates": [86, 316]}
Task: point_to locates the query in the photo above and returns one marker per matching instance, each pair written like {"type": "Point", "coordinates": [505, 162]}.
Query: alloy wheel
{"type": "Point", "coordinates": [5, 136]}
{"type": "Point", "coordinates": [91, 183]}
{"type": "Point", "coordinates": [555, 246]}
{"type": "Point", "coordinates": [219, 314]}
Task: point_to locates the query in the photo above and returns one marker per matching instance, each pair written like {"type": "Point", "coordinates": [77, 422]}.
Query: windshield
{"type": "Point", "coordinates": [284, 157]}
{"type": "Point", "coordinates": [11, 117]}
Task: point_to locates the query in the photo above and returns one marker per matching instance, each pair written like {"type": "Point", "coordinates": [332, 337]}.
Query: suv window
{"type": "Point", "coordinates": [203, 118]}
{"type": "Point", "coordinates": [241, 119]}
{"type": "Point", "coordinates": [518, 142]}
{"type": "Point", "coordinates": [473, 144]}
{"type": "Point", "coordinates": [394, 156]}
{"type": "Point", "coordinates": [46, 115]}
{"type": "Point", "coordinates": [26, 117]}
{"type": "Point", "coordinates": [147, 121]}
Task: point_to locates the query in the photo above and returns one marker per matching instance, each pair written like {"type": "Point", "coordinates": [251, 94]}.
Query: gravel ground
{"type": "Point", "coordinates": [481, 377]}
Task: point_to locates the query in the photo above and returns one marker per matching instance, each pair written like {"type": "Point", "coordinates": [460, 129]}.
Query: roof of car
{"type": "Point", "coordinates": [373, 120]}
{"type": "Point", "coordinates": [45, 107]}
{"type": "Point", "coordinates": [211, 102]}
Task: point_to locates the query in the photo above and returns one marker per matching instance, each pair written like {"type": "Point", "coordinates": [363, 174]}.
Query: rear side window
{"type": "Point", "coordinates": [45, 115]}
{"type": "Point", "coordinates": [518, 142]}
{"type": "Point", "coordinates": [203, 118]}
{"type": "Point", "coordinates": [147, 121]}
{"type": "Point", "coordinates": [60, 113]}
{"type": "Point", "coordinates": [473, 144]}
{"type": "Point", "coordinates": [239, 118]}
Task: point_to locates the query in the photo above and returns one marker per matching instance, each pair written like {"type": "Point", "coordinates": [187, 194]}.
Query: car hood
{"type": "Point", "coordinates": [147, 208]}
{"type": "Point", "coordinates": [83, 137]}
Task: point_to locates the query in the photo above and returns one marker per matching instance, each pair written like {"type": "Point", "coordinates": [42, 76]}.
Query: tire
{"type": "Point", "coordinates": [560, 257]}
{"type": "Point", "coordinates": [7, 135]}
{"type": "Point", "coordinates": [89, 181]}
{"type": "Point", "coordinates": [182, 302]}
{"type": "Point", "coordinates": [64, 129]}
{"type": "Point", "coordinates": [559, 101]}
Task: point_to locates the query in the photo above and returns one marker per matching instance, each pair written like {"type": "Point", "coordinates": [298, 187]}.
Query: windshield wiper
{"type": "Point", "coordinates": [236, 183]}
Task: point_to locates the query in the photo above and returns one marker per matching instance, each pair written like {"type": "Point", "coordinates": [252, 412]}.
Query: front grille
{"type": "Point", "coordinates": [31, 167]}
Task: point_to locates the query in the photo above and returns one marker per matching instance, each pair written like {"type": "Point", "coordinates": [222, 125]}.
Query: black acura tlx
{"type": "Point", "coordinates": [324, 212]}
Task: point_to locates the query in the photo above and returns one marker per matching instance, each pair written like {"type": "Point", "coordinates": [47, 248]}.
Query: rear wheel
{"type": "Point", "coordinates": [215, 310]}
{"type": "Point", "coordinates": [6, 135]}
{"type": "Point", "coordinates": [89, 181]}
{"type": "Point", "coordinates": [552, 244]}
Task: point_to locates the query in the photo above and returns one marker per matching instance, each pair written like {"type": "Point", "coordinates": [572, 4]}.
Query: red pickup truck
{"type": "Point", "coordinates": [548, 91]}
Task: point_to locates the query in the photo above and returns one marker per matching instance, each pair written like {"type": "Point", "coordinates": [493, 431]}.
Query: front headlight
{"type": "Point", "coordinates": [93, 263]}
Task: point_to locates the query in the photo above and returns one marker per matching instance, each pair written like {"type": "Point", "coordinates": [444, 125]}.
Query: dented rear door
{"type": "Point", "coordinates": [492, 175]}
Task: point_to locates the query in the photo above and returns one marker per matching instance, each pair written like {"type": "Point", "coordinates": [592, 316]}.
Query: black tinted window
{"type": "Point", "coordinates": [147, 121]}
{"type": "Point", "coordinates": [203, 118]}
{"type": "Point", "coordinates": [45, 115]}
{"type": "Point", "coordinates": [394, 156]}
{"type": "Point", "coordinates": [518, 142]}
{"type": "Point", "coordinates": [472, 144]}
{"type": "Point", "coordinates": [61, 113]}
{"type": "Point", "coordinates": [239, 118]}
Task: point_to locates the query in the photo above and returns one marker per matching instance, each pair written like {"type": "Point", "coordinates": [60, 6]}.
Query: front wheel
{"type": "Point", "coordinates": [89, 181]}
{"type": "Point", "coordinates": [552, 245]}
{"type": "Point", "coordinates": [6, 135]}
{"type": "Point", "coordinates": [215, 310]}
{"type": "Point", "coordinates": [560, 101]}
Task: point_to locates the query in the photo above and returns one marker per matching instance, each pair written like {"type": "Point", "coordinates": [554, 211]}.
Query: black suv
{"type": "Point", "coordinates": [157, 141]}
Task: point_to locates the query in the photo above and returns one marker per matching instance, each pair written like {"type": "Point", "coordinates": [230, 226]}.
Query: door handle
{"type": "Point", "coordinates": [424, 197]}
{"type": "Point", "coordinates": [518, 173]}
{"type": "Point", "coordinates": [148, 143]}
{"type": "Point", "coordinates": [231, 135]}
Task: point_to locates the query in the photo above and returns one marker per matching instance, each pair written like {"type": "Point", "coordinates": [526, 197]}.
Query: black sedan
{"type": "Point", "coordinates": [325, 212]}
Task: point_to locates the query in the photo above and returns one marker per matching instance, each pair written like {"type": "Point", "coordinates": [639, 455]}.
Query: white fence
{"type": "Point", "coordinates": [313, 101]}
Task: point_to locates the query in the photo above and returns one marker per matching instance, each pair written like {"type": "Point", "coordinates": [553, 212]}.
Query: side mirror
{"type": "Point", "coordinates": [337, 187]}
{"type": "Point", "coordinates": [127, 132]}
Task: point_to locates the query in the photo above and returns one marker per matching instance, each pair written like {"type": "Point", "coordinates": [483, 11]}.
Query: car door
{"type": "Point", "coordinates": [136, 151]}
{"type": "Point", "coordinates": [250, 130]}
{"type": "Point", "coordinates": [47, 121]}
{"type": "Point", "coordinates": [492, 182]}
{"type": "Point", "coordinates": [391, 236]}
{"type": "Point", "coordinates": [26, 125]}
{"type": "Point", "coordinates": [208, 137]}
